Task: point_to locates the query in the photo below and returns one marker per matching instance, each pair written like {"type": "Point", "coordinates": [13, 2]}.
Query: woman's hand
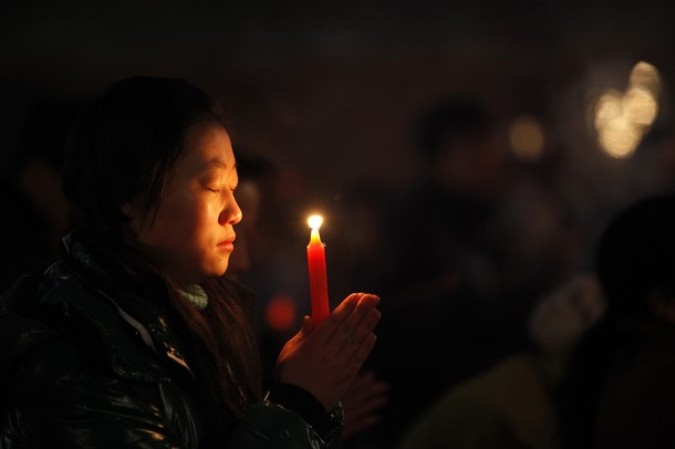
{"type": "Point", "coordinates": [325, 358]}
{"type": "Point", "coordinates": [362, 403]}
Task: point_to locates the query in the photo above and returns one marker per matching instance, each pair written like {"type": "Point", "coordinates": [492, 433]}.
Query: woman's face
{"type": "Point", "coordinates": [191, 237]}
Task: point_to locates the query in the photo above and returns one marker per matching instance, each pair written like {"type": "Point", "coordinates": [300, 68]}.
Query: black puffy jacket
{"type": "Point", "coordinates": [81, 368]}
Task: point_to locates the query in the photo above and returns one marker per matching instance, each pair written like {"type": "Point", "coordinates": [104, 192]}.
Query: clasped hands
{"type": "Point", "coordinates": [325, 358]}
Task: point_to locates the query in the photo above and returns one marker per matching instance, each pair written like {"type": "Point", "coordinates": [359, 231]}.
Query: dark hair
{"type": "Point", "coordinates": [636, 255]}
{"type": "Point", "coordinates": [121, 148]}
{"type": "Point", "coordinates": [451, 121]}
{"type": "Point", "coordinates": [125, 142]}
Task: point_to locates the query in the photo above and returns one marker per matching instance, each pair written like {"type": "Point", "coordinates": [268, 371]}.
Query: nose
{"type": "Point", "coordinates": [231, 213]}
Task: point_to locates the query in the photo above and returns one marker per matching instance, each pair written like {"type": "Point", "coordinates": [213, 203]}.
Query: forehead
{"type": "Point", "coordinates": [207, 145]}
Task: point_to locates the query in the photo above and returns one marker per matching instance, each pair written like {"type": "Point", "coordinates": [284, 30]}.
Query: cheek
{"type": "Point", "coordinates": [188, 220]}
{"type": "Point", "coordinates": [207, 213]}
{"type": "Point", "coordinates": [202, 221]}
{"type": "Point", "coordinates": [177, 218]}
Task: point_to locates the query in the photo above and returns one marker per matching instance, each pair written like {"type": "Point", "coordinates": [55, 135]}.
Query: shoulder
{"type": "Point", "coordinates": [57, 310]}
{"type": "Point", "coordinates": [71, 367]}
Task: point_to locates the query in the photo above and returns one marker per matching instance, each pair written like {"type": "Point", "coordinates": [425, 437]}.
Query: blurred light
{"type": "Point", "coordinates": [646, 76]}
{"type": "Point", "coordinates": [619, 138]}
{"type": "Point", "coordinates": [622, 119]}
{"type": "Point", "coordinates": [607, 108]}
{"type": "Point", "coordinates": [640, 106]}
{"type": "Point", "coordinates": [526, 138]}
{"type": "Point", "coordinates": [280, 313]}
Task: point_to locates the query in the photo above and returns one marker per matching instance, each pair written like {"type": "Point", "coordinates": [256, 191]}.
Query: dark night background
{"type": "Point", "coordinates": [341, 82]}
{"type": "Point", "coordinates": [330, 91]}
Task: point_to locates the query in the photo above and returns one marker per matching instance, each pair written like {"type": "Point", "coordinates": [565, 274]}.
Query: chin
{"type": "Point", "coordinates": [218, 272]}
{"type": "Point", "coordinates": [214, 268]}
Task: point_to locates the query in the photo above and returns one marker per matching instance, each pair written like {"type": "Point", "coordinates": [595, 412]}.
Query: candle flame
{"type": "Point", "coordinates": [315, 222]}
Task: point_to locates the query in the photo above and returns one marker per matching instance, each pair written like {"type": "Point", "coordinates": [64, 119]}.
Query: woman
{"type": "Point", "coordinates": [135, 338]}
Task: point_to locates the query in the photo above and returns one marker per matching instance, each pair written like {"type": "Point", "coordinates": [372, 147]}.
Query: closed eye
{"type": "Point", "coordinates": [213, 190]}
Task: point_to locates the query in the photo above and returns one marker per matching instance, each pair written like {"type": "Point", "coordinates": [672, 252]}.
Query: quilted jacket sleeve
{"type": "Point", "coordinates": [60, 403]}
{"type": "Point", "coordinates": [269, 425]}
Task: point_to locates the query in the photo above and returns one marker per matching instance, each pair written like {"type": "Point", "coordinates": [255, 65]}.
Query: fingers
{"type": "Point", "coordinates": [363, 350]}
{"type": "Point", "coordinates": [307, 325]}
{"type": "Point", "coordinates": [365, 396]}
{"type": "Point", "coordinates": [346, 337]}
{"type": "Point", "coordinates": [366, 384]}
{"type": "Point", "coordinates": [352, 315]}
{"type": "Point", "coordinates": [356, 329]}
{"type": "Point", "coordinates": [345, 308]}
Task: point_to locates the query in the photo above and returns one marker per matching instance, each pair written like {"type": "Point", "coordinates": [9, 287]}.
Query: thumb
{"type": "Point", "coordinates": [307, 325]}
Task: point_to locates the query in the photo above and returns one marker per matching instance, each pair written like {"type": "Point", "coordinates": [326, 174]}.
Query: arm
{"type": "Point", "coordinates": [64, 399]}
{"type": "Point", "coordinates": [61, 404]}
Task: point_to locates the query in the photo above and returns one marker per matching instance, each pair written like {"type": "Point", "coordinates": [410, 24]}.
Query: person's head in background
{"type": "Point", "coordinates": [38, 163]}
{"type": "Point", "coordinates": [635, 261]}
{"type": "Point", "coordinates": [35, 212]}
{"type": "Point", "coordinates": [257, 240]}
{"type": "Point", "coordinates": [257, 194]}
{"type": "Point", "coordinates": [460, 146]}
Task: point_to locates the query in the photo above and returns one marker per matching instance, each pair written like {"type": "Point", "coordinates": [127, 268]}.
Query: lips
{"type": "Point", "coordinates": [228, 244]}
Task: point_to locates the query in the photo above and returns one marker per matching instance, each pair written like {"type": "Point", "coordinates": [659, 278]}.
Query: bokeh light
{"type": "Point", "coordinates": [280, 313]}
{"type": "Point", "coordinates": [621, 119]}
{"type": "Point", "coordinates": [526, 138]}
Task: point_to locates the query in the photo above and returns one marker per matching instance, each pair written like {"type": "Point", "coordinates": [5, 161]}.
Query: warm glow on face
{"type": "Point", "coordinates": [315, 221]}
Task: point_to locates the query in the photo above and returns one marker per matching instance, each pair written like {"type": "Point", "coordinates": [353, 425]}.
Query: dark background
{"type": "Point", "coordinates": [331, 89]}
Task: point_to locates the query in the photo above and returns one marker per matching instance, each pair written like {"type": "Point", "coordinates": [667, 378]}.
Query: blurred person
{"type": "Point", "coordinates": [359, 252]}
{"type": "Point", "coordinates": [473, 245]}
{"type": "Point", "coordinates": [278, 314]}
{"type": "Point", "coordinates": [36, 213]}
{"type": "Point", "coordinates": [358, 257]}
{"type": "Point", "coordinates": [512, 403]}
{"type": "Point", "coordinates": [261, 251]}
{"type": "Point", "coordinates": [442, 277]}
{"type": "Point", "coordinates": [137, 337]}
{"type": "Point", "coordinates": [619, 388]}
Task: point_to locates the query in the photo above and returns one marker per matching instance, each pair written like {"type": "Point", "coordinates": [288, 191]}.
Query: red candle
{"type": "Point", "coordinates": [316, 261]}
